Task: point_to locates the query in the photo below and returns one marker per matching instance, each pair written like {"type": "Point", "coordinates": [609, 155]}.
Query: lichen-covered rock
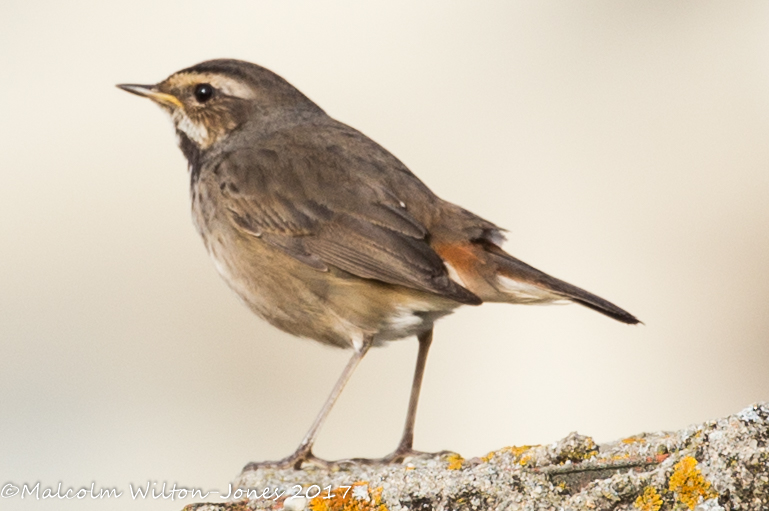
{"type": "Point", "coordinates": [717, 466]}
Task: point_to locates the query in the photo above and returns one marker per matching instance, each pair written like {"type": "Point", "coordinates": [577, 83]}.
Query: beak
{"type": "Point", "coordinates": [150, 91]}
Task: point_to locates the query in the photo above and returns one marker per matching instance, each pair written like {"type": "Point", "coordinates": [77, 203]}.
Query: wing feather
{"type": "Point", "coordinates": [315, 209]}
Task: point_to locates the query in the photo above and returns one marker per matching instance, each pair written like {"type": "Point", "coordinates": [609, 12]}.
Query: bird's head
{"type": "Point", "coordinates": [209, 101]}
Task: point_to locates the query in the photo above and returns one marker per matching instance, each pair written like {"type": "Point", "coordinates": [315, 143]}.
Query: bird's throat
{"type": "Point", "coordinates": [192, 152]}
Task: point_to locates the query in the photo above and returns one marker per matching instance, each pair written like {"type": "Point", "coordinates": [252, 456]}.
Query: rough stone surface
{"type": "Point", "coordinates": [716, 466]}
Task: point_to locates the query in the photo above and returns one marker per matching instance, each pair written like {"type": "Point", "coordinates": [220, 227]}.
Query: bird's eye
{"type": "Point", "coordinates": [203, 92]}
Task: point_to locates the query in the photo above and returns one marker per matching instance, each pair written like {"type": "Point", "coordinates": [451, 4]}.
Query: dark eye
{"type": "Point", "coordinates": [203, 92]}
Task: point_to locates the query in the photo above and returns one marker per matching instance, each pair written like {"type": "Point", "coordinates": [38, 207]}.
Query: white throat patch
{"type": "Point", "coordinates": [196, 132]}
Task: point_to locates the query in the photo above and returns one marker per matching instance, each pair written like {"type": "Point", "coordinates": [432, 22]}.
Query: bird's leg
{"type": "Point", "coordinates": [304, 452]}
{"type": "Point", "coordinates": [407, 440]}
{"type": "Point", "coordinates": [404, 448]}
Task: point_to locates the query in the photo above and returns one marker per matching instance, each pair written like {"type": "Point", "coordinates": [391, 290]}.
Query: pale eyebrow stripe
{"type": "Point", "coordinates": [229, 86]}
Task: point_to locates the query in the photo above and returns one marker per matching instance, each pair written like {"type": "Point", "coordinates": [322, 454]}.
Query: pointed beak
{"type": "Point", "coordinates": [150, 91]}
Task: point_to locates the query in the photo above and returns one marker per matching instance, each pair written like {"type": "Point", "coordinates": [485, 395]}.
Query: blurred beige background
{"type": "Point", "coordinates": [623, 144]}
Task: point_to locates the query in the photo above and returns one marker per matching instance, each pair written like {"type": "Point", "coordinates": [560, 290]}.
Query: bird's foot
{"type": "Point", "coordinates": [304, 457]}
{"type": "Point", "coordinates": [295, 461]}
{"type": "Point", "coordinates": [399, 455]}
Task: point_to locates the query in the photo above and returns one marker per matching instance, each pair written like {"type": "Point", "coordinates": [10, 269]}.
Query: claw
{"type": "Point", "coordinates": [397, 456]}
{"type": "Point", "coordinates": [302, 458]}
{"type": "Point", "coordinates": [295, 461]}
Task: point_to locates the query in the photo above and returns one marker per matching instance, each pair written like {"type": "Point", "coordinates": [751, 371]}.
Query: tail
{"type": "Point", "coordinates": [522, 274]}
{"type": "Point", "coordinates": [496, 276]}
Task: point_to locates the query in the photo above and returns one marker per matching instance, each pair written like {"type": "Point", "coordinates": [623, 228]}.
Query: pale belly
{"type": "Point", "coordinates": [331, 307]}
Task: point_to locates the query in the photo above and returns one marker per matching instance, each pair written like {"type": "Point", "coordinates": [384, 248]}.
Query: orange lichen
{"type": "Point", "coordinates": [349, 499]}
{"type": "Point", "coordinates": [577, 450]}
{"type": "Point", "coordinates": [633, 440]}
{"type": "Point", "coordinates": [591, 450]}
{"type": "Point", "coordinates": [650, 500]}
{"type": "Point", "coordinates": [516, 451]}
{"type": "Point", "coordinates": [688, 483]}
{"type": "Point", "coordinates": [455, 461]}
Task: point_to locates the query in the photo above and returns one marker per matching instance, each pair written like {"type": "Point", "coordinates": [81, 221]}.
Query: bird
{"type": "Point", "coordinates": [325, 234]}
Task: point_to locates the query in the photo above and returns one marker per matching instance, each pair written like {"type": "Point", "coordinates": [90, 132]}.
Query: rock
{"type": "Point", "coordinates": [716, 466]}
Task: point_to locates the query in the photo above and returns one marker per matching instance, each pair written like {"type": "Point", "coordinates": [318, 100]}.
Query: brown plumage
{"type": "Point", "coordinates": [324, 233]}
